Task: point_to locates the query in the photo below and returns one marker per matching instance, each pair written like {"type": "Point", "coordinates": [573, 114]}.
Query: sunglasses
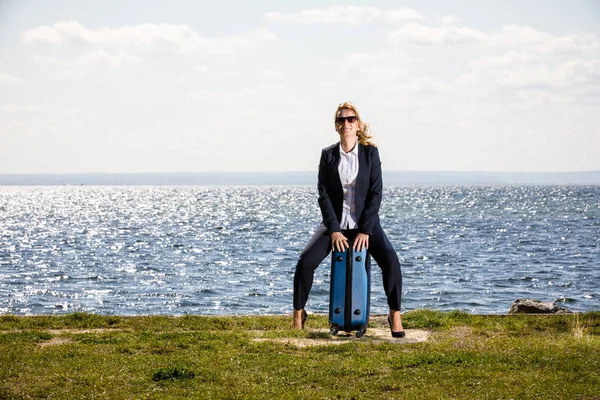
{"type": "Point", "coordinates": [351, 119]}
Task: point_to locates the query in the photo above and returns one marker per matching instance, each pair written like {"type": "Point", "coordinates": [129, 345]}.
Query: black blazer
{"type": "Point", "coordinates": [369, 186]}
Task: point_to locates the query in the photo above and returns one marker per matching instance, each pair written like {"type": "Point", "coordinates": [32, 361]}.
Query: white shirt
{"type": "Point", "coordinates": [348, 170]}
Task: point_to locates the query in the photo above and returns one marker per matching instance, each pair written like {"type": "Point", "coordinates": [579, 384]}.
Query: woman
{"type": "Point", "coordinates": [350, 189]}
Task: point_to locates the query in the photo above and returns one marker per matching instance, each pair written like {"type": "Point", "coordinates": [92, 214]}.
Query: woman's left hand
{"type": "Point", "coordinates": [361, 241]}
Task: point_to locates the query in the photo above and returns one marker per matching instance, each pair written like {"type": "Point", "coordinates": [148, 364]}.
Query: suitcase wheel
{"type": "Point", "coordinates": [361, 332]}
{"type": "Point", "coordinates": [334, 329]}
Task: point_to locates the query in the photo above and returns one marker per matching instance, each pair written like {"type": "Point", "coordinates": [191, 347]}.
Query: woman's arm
{"type": "Point", "coordinates": [329, 218]}
{"type": "Point", "coordinates": [370, 214]}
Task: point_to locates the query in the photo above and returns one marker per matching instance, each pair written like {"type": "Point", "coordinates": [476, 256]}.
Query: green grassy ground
{"type": "Point", "coordinates": [86, 356]}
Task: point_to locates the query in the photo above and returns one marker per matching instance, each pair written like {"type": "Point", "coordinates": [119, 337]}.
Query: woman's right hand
{"type": "Point", "coordinates": [339, 242]}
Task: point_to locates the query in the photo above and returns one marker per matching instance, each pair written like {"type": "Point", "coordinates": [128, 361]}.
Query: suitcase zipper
{"type": "Point", "coordinates": [348, 300]}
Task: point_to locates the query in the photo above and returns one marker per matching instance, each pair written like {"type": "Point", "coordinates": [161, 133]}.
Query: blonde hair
{"type": "Point", "coordinates": [364, 135]}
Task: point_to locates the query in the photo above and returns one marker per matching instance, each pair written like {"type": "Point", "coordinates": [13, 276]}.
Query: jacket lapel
{"type": "Point", "coordinates": [362, 167]}
{"type": "Point", "coordinates": [334, 167]}
{"type": "Point", "coordinates": [362, 161]}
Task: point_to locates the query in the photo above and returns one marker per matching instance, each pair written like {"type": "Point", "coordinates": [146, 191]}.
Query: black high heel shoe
{"type": "Point", "coordinates": [304, 317]}
{"type": "Point", "coordinates": [400, 334]}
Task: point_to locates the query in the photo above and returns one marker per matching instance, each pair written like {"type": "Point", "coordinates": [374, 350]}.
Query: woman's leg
{"type": "Point", "coordinates": [384, 254]}
{"type": "Point", "coordinates": [315, 251]}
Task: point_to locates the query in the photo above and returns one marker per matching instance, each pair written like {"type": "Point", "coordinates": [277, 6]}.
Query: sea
{"type": "Point", "coordinates": [232, 250]}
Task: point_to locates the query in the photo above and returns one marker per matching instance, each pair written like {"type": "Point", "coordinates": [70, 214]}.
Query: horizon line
{"type": "Point", "coordinates": [296, 171]}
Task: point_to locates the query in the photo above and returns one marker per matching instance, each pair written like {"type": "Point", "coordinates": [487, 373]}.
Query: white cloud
{"type": "Point", "coordinates": [450, 20]}
{"type": "Point", "coordinates": [386, 76]}
{"type": "Point", "coordinates": [349, 15]}
{"type": "Point", "coordinates": [382, 73]}
{"type": "Point", "coordinates": [241, 43]}
{"type": "Point", "coordinates": [74, 68]}
{"type": "Point", "coordinates": [518, 76]}
{"type": "Point", "coordinates": [66, 69]}
{"type": "Point", "coordinates": [77, 113]}
{"type": "Point", "coordinates": [76, 119]}
{"type": "Point", "coordinates": [544, 43]}
{"type": "Point", "coordinates": [579, 71]}
{"type": "Point", "coordinates": [419, 34]}
{"type": "Point", "coordinates": [154, 38]}
{"type": "Point", "coordinates": [270, 74]}
{"type": "Point", "coordinates": [402, 14]}
{"type": "Point", "coordinates": [385, 70]}
{"type": "Point", "coordinates": [43, 34]}
{"type": "Point", "coordinates": [589, 93]}
{"type": "Point", "coordinates": [277, 86]}
{"type": "Point", "coordinates": [177, 81]}
{"type": "Point", "coordinates": [203, 96]}
{"type": "Point", "coordinates": [382, 66]}
{"type": "Point", "coordinates": [12, 109]}
{"type": "Point", "coordinates": [10, 79]}
{"type": "Point", "coordinates": [426, 84]}
{"type": "Point", "coordinates": [510, 36]}
{"type": "Point", "coordinates": [505, 69]}
{"type": "Point", "coordinates": [530, 99]}
{"type": "Point", "coordinates": [103, 58]}
{"type": "Point", "coordinates": [478, 85]}
{"type": "Point", "coordinates": [516, 69]}
{"type": "Point", "coordinates": [506, 60]}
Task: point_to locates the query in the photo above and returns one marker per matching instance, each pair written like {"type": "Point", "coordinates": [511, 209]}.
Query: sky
{"type": "Point", "coordinates": [192, 86]}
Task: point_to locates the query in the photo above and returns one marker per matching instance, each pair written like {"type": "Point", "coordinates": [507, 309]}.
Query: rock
{"type": "Point", "coordinates": [532, 306]}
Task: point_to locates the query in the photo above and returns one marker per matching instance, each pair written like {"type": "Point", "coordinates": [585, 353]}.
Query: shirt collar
{"type": "Point", "coordinates": [354, 151]}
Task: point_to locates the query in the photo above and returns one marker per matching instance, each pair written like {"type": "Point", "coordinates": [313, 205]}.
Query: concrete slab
{"type": "Point", "coordinates": [321, 337]}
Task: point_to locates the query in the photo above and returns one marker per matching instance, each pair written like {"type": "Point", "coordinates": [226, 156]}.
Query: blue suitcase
{"type": "Point", "coordinates": [350, 291]}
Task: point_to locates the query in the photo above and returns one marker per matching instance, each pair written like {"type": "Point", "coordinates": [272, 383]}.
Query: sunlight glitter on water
{"type": "Point", "coordinates": [232, 250]}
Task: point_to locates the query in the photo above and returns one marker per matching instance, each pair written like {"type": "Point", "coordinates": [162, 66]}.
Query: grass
{"type": "Point", "coordinates": [88, 356]}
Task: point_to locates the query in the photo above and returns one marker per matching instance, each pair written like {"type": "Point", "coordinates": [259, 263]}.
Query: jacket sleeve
{"type": "Point", "coordinates": [329, 218]}
{"type": "Point", "coordinates": [370, 214]}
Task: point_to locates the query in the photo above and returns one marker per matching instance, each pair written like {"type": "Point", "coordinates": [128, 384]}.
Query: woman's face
{"type": "Point", "coordinates": [345, 124]}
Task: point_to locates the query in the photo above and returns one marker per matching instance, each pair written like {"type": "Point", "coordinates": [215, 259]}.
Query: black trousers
{"type": "Point", "coordinates": [319, 246]}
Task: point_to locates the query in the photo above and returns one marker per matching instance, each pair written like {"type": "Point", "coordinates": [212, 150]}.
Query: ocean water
{"type": "Point", "coordinates": [142, 250]}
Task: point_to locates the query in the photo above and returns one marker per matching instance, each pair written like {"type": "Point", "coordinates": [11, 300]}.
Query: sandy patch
{"type": "Point", "coordinates": [55, 342]}
{"type": "Point", "coordinates": [373, 335]}
{"type": "Point", "coordinates": [98, 330]}
{"type": "Point", "coordinates": [68, 330]}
